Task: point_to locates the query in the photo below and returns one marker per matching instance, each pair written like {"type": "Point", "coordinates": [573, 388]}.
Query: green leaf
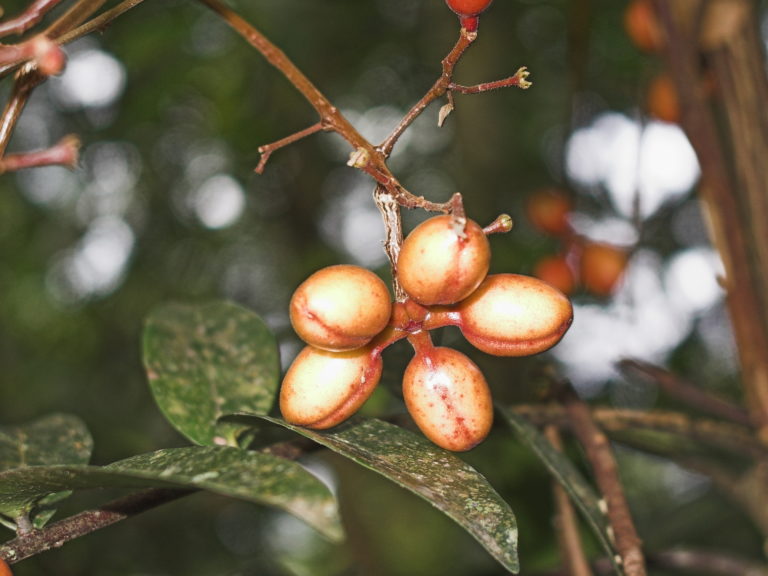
{"type": "Point", "coordinates": [251, 476]}
{"type": "Point", "coordinates": [209, 360]}
{"type": "Point", "coordinates": [563, 470]}
{"type": "Point", "coordinates": [438, 476]}
{"type": "Point", "coordinates": [53, 439]}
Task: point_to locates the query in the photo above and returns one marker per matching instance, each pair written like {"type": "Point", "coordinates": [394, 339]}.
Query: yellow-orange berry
{"type": "Point", "coordinates": [602, 267]}
{"type": "Point", "coordinates": [340, 308]}
{"type": "Point", "coordinates": [448, 398]}
{"type": "Point", "coordinates": [5, 570]}
{"type": "Point", "coordinates": [548, 211]}
{"type": "Point", "coordinates": [514, 315]}
{"type": "Point", "coordinates": [322, 389]}
{"type": "Point", "coordinates": [440, 264]}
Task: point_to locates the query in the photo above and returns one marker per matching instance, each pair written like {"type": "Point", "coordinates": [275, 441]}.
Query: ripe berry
{"type": "Point", "coordinates": [440, 265]}
{"type": "Point", "coordinates": [514, 315]}
{"type": "Point", "coordinates": [5, 570]}
{"type": "Point", "coordinates": [548, 211]}
{"type": "Point", "coordinates": [322, 389]}
{"type": "Point", "coordinates": [642, 26]}
{"type": "Point", "coordinates": [556, 271]}
{"type": "Point", "coordinates": [468, 11]}
{"type": "Point", "coordinates": [448, 398]}
{"type": "Point", "coordinates": [602, 267]}
{"type": "Point", "coordinates": [340, 308]}
{"type": "Point", "coordinates": [663, 102]}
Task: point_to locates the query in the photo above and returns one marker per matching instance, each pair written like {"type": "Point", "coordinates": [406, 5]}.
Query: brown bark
{"type": "Point", "coordinates": [728, 132]}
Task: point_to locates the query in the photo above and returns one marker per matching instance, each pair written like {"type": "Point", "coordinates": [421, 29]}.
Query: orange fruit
{"type": "Point", "coordinates": [602, 267]}
{"type": "Point", "coordinates": [662, 100]}
{"type": "Point", "coordinates": [642, 26]}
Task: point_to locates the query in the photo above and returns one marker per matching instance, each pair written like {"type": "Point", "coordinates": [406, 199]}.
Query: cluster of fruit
{"type": "Point", "coordinates": [597, 267]}
{"type": "Point", "coordinates": [345, 315]}
{"type": "Point", "coordinates": [644, 30]}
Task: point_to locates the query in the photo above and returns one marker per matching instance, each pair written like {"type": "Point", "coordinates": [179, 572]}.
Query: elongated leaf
{"type": "Point", "coordinates": [438, 476]}
{"type": "Point", "coordinates": [53, 439]}
{"type": "Point", "coordinates": [568, 476]}
{"type": "Point", "coordinates": [251, 476]}
{"type": "Point", "coordinates": [206, 361]}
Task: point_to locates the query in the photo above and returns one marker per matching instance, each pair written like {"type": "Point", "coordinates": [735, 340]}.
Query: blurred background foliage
{"type": "Point", "coordinates": [171, 107]}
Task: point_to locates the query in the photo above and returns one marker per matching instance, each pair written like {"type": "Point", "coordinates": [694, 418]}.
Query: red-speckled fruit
{"type": "Point", "coordinates": [448, 398]}
{"type": "Point", "coordinates": [322, 389]}
{"type": "Point", "coordinates": [440, 265]}
{"type": "Point", "coordinates": [340, 308]}
{"type": "Point", "coordinates": [514, 315]}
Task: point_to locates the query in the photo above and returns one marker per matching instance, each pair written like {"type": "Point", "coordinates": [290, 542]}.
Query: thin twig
{"type": "Point", "coordinates": [519, 80]}
{"type": "Point", "coordinates": [330, 117]}
{"type": "Point", "coordinates": [31, 16]}
{"type": "Point", "coordinates": [98, 22]}
{"type": "Point", "coordinates": [688, 392]}
{"type": "Point", "coordinates": [688, 561]}
{"type": "Point", "coordinates": [64, 153]}
{"type": "Point", "coordinates": [723, 435]}
{"type": "Point", "coordinates": [59, 533]}
{"type": "Point", "coordinates": [702, 562]}
{"type": "Point", "coordinates": [571, 547]}
{"type": "Point", "coordinates": [600, 455]}
{"type": "Point", "coordinates": [267, 149]}
{"type": "Point", "coordinates": [365, 156]}
{"type": "Point", "coordinates": [328, 113]}
{"type": "Point", "coordinates": [438, 89]}
{"type": "Point", "coordinates": [22, 89]}
{"type": "Point", "coordinates": [76, 15]}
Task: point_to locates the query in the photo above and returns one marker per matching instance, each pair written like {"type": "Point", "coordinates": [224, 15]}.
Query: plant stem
{"type": "Point", "coordinates": [63, 153]}
{"type": "Point", "coordinates": [600, 455]}
{"type": "Point", "coordinates": [267, 149]}
{"type": "Point", "coordinates": [726, 202]}
{"type": "Point", "coordinates": [438, 89]}
{"type": "Point", "coordinates": [688, 561]}
{"type": "Point", "coordinates": [393, 230]}
{"type": "Point", "coordinates": [59, 533]}
{"type": "Point", "coordinates": [97, 23]}
{"type": "Point", "coordinates": [571, 548]}
{"type": "Point", "coordinates": [519, 80]}
{"type": "Point", "coordinates": [22, 89]}
{"type": "Point", "coordinates": [366, 157]}
{"type": "Point", "coordinates": [724, 435]}
{"type": "Point", "coordinates": [31, 16]}
{"type": "Point", "coordinates": [687, 392]}
{"type": "Point", "coordinates": [73, 17]}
